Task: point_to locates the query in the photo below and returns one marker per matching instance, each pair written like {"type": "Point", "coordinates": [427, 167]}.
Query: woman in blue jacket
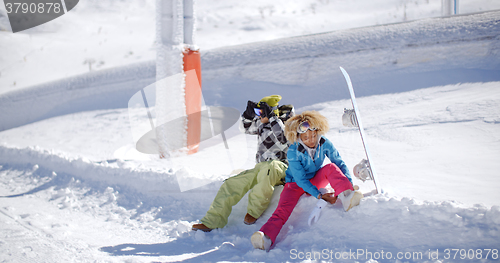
{"type": "Point", "coordinates": [305, 156]}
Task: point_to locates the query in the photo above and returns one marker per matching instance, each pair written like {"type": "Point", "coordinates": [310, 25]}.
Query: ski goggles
{"type": "Point", "coordinates": [258, 111]}
{"type": "Point", "coordinates": [304, 126]}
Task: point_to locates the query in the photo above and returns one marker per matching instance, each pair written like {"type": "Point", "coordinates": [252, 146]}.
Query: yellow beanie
{"type": "Point", "coordinates": [271, 101]}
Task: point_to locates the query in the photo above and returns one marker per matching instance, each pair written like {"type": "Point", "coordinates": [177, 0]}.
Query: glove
{"type": "Point", "coordinates": [249, 113]}
{"type": "Point", "coordinates": [316, 211]}
{"type": "Point", "coordinates": [267, 111]}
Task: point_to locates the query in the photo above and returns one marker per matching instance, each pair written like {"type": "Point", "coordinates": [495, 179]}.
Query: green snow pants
{"type": "Point", "coordinates": [259, 182]}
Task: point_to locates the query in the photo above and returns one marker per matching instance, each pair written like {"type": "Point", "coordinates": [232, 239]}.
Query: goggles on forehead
{"type": "Point", "coordinates": [304, 126]}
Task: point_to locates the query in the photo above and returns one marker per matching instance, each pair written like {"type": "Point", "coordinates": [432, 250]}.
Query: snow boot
{"type": "Point", "coordinates": [249, 220]}
{"type": "Point", "coordinates": [261, 241]}
{"type": "Point", "coordinates": [201, 227]}
{"type": "Point", "coordinates": [350, 199]}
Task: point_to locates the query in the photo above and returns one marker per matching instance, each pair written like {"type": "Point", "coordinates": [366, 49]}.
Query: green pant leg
{"type": "Point", "coordinates": [278, 172]}
{"type": "Point", "coordinates": [229, 194]}
{"type": "Point", "coordinates": [270, 174]}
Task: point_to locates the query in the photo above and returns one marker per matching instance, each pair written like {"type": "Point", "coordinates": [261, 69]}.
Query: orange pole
{"type": "Point", "coordinates": [192, 69]}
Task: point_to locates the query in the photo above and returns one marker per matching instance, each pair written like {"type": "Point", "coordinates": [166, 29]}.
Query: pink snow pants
{"type": "Point", "coordinates": [290, 195]}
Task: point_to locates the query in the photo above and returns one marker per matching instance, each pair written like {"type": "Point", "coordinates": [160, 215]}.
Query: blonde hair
{"type": "Point", "coordinates": [315, 119]}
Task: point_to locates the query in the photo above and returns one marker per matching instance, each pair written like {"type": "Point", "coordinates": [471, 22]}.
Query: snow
{"type": "Point", "coordinates": [114, 33]}
{"type": "Point", "coordinates": [434, 148]}
{"type": "Point", "coordinates": [73, 187]}
{"type": "Point", "coordinates": [382, 59]}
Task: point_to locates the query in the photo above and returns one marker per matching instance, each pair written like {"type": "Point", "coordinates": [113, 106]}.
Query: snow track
{"type": "Point", "coordinates": [77, 221]}
{"type": "Point", "coordinates": [152, 183]}
{"type": "Point", "coordinates": [31, 240]}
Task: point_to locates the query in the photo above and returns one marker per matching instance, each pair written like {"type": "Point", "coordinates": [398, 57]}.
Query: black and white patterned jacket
{"type": "Point", "coordinates": [272, 143]}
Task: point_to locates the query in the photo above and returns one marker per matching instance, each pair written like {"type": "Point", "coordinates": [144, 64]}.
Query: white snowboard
{"type": "Point", "coordinates": [378, 187]}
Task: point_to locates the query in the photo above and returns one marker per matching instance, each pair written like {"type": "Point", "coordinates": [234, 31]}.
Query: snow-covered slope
{"type": "Point", "coordinates": [97, 34]}
{"type": "Point", "coordinates": [382, 59]}
{"type": "Point", "coordinates": [74, 189]}
{"type": "Point", "coordinates": [71, 185]}
{"type": "Point", "coordinates": [440, 130]}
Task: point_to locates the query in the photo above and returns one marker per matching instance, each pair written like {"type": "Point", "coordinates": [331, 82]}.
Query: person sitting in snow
{"type": "Point", "coordinates": [306, 154]}
{"type": "Point", "coordinates": [264, 120]}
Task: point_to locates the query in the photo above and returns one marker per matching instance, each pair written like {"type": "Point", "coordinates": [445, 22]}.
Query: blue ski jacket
{"type": "Point", "coordinates": [301, 167]}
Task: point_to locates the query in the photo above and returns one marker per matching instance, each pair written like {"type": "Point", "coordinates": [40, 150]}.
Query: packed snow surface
{"type": "Point", "coordinates": [73, 188]}
{"type": "Point", "coordinates": [98, 34]}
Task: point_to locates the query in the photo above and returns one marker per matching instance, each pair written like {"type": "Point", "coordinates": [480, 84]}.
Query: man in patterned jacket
{"type": "Point", "coordinates": [262, 119]}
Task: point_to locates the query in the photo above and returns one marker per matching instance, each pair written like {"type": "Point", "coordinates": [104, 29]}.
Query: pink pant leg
{"type": "Point", "coordinates": [288, 200]}
{"type": "Point", "coordinates": [330, 173]}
